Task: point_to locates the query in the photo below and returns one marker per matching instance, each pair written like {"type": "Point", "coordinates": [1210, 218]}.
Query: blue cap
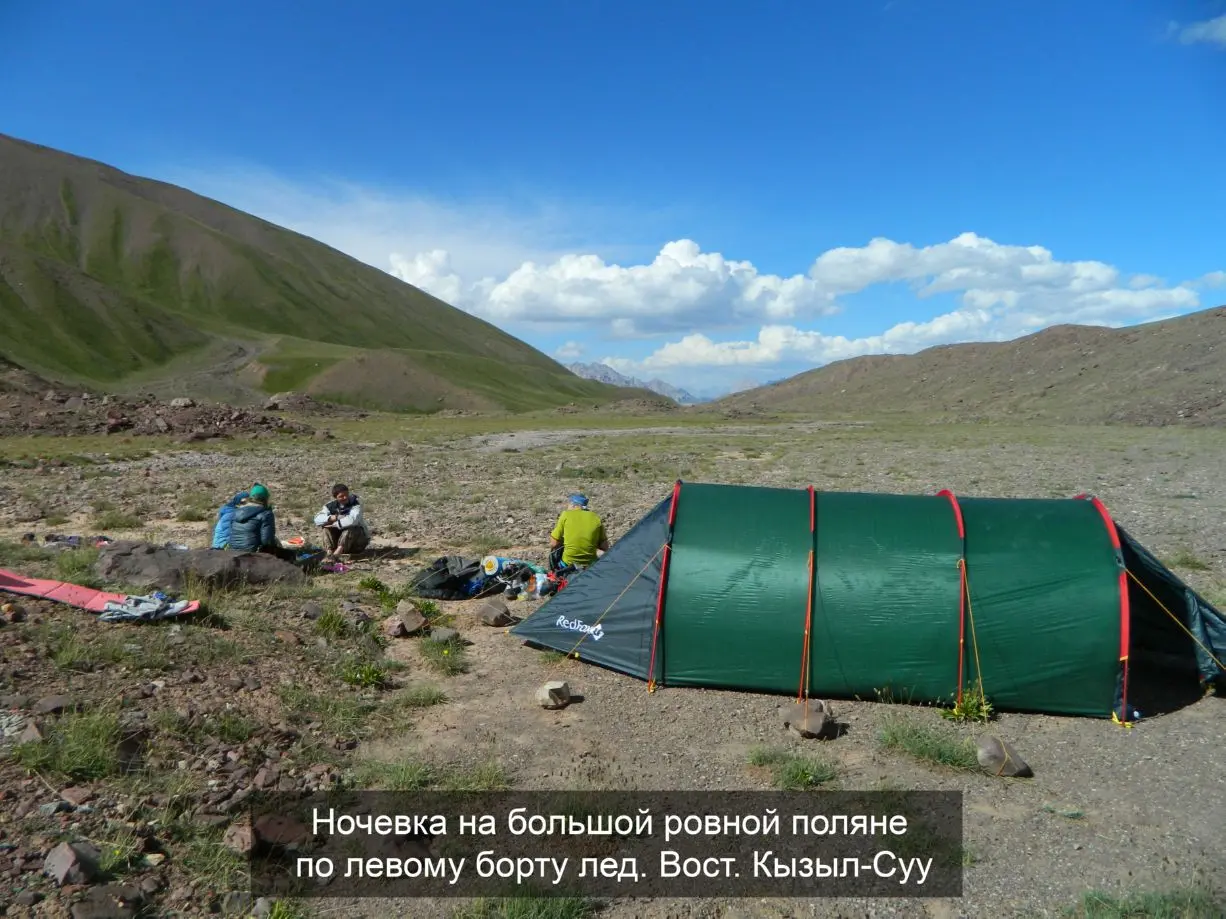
{"type": "Point", "coordinates": [578, 499]}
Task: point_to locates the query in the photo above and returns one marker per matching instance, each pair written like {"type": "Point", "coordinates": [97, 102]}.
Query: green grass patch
{"type": "Point", "coordinates": [488, 776]}
{"type": "Point", "coordinates": [1188, 561]}
{"type": "Point", "coordinates": [449, 657]}
{"type": "Point", "coordinates": [1178, 904]}
{"type": "Point", "coordinates": [1066, 813]}
{"type": "Point", "coordinates": [901, 733]}
{"type": "Point", "coordinates": [77, 567]}
{"type": "Point", "coordinates": [402, 776]}
{"type": "Point", "coordinates": [107, 520]}
{"type": "Point", "coordinates": [409, 775]}
{"type": "Point", "coordinates": [80, 747]}
{"type": "Point", "coordinates": [791, 772]}
{"type": "Point", "coordinates": [529, 907]}
{"type": "Point", "coordinates": [423, 696]}
{"type": "Point", "coordinates": [364, 674]}
{"type": "Point", "coordinates": [973, 707]}
{"type": "Point", "coordinates": [340, 714]}
{"type": "Point", "coordinates": [332, 624]}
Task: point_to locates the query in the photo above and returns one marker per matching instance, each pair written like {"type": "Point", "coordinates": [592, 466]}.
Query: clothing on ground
{"type": "Point", "coordinates": [580, 531]}
{"type": "Point", "coordinates": [253, 527]}
{"type": "Point", "coordinates": [148, 609]}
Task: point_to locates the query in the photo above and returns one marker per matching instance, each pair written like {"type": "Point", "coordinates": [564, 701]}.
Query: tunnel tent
{"type": "Point", "coordinates": [1047, 605]}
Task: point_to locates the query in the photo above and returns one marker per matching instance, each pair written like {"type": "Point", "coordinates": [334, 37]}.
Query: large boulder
{"type": "Point", "coordinates": [150, 567]}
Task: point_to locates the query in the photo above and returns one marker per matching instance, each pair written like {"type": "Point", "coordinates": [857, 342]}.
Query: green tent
{"type": "Point", "coordinates": [1048, 605]}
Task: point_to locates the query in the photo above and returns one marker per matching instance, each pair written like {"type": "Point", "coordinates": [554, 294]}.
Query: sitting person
{"type": "Point", "coordinates": [253, 528]}
{"type": "Point", "coordinates": [343, 523]}
{"type": "Point", "coordinates": [578, 538]}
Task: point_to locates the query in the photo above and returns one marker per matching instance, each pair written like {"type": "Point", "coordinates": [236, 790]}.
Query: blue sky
{"type": "Point", "coordinates": [711, 194]}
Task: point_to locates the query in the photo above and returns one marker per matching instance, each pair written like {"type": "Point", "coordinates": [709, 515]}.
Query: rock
{"type": "Point", "coordinates": [444, 634]}
{"type": "Point", "coordinates": [181, 403]}
{"type": "Point", "coordinates": [414, 621]}
{"type": "Point", "coordinates": [52, 705]}
{"type": "Point", "coordinates": [240, 838]}
{"type": "Point", "coordinates": [31, 734]}
{"type": "Point", "coordinates": [312, 610]}
{"type": "Point", "coordinates": [808, 719]}
{"type": "Point", "coordinates": [395, 627]}
{"type": "Point", "coordinates": [494, 613]}
{"type": "Point", "coordinates": [287, 637]}
{"type": "Point", "coordinates": [13, 703]}
{"type": "Point", "coordinates": [110, 902]}
{"type": "Point", "coordinates": [76, 796]}
{"type": "Point", "coordinates": [72, 863]}
{"type": "Point", "coordinates": [150, 567]}
{"type": "Point", "coordinates": [28, 898]}
{"type": "Point", "coordinates": [262, 908]}
{"type": "Point", "coordinates": [281, 832]}
{"type": "Point", "coordinates": [997, 756]}
{"type": "Point", "coordinates": [554, 695]}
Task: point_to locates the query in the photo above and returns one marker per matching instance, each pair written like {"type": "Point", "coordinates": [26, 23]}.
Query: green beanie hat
{"type": "Point", "coordinates": [259, 493]}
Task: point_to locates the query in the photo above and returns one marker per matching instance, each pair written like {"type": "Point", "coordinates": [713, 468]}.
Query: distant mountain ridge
{"type": "Point", "coordinates": [113, 281]}
{"type": "Point", "coordinates": [603, 373]}
{"type": "Point", "coordinates": [1171, 371]}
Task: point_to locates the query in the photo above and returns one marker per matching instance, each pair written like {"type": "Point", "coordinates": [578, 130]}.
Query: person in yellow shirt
{"type": "Point", "coordinates": [578, 538]}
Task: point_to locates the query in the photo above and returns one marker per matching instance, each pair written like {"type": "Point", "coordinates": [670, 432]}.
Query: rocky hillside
{"type": "Point", "coordinates": [605, 374]}
{"type": "Point", "coordinates": [1169, 372]}
{"type": "Point", "coordinates": [108, 280]}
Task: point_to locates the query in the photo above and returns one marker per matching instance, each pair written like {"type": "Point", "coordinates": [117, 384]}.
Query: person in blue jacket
{"type": "Point", "coordinates": [253, 527]}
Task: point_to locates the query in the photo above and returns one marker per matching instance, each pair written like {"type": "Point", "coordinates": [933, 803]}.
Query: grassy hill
{"type": "Point", "coordinates": [1173, 371]}
{"type": "Point", "coordinates": [112, 281]}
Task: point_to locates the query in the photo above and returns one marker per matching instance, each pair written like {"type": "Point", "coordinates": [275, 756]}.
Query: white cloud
{"type": "Point", "coordinates": [1144, 280]}
{"type": "Point", "coordinates": [1214, 279]}
{"type": "Point", "coordinates": [1210, 32]}
{"type": "Point", "coordinates": [681, 288]}
{"type": "Point", "coordinates": [571, 351]}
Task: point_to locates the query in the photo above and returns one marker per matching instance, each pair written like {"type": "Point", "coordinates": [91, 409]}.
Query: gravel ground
{"type": "Point", "coordinates": [1143, 809]}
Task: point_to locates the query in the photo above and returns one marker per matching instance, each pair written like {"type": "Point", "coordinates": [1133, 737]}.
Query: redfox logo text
{"type": "Point", "coordinates": [578, 625]}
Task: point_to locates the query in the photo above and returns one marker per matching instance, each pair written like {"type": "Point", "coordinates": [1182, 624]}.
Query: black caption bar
{"type": "Point", "coordinates": [609, 844]}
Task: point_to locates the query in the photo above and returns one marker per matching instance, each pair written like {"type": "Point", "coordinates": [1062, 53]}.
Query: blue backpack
{"type": "Point", "coordinates": [225, 519]}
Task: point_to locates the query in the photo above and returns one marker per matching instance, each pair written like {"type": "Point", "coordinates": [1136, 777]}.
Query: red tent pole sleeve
{"type": "Point", "coordinates": [1125, 612]}
{"type": "Point", "coordinates": [668, 545]}
{"type": "Point", "coordinates": [962, 587]}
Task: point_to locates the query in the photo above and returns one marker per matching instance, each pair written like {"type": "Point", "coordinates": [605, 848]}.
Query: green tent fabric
{"type": "Point", "coordinates": [1047, 604]}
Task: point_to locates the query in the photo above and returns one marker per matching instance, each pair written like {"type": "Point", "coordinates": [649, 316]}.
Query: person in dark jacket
{"type": "Point", "coordinates": [254, 526]}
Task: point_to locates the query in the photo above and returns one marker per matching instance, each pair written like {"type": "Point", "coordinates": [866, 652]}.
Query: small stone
{"type": "Point", "coordinates": [808, 719]}
{"type": "Point", "coordinates": [76, 796]}
{"type": "Point", "coordinates": [28, 898]}
{"type": "Point", "coordinates": [240, 838]}
{"type": "Point", "coordinates": [997, 756]}
{"type": "Point", "coordinates": [554, 695]}
{"type": "Point", "coordinates": [444, 634]}
{"type": "Point", "coordinates": [312, 610]}
{"type": "Point", "coordinates": [494, 613]}
{"type": "Point", "coordinates": [395, 627]}
{"type": "Point", "coordinates": [262, 908]}
{"type": "Point", "coordinates": [414, 621]}
{"type": "Point", "coordinates": [31, 734]}
{"type": "Point", "coordinates": [287, 637]}
{"type": "Point", "coordinates": [72, 863]}
{"type": "Point", "coordinates": [52, 705]}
